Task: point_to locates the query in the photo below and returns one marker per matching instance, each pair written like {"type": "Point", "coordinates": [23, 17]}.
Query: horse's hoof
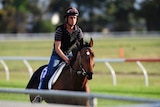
{"type": "Point", "coordinates": [37, 99]}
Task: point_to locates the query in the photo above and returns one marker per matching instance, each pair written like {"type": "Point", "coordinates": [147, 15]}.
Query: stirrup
{"type": "Point", "coordinates": [37, 99]}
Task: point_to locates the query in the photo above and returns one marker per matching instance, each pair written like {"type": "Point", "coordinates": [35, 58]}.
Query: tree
{"type": "Point", "coordinates": [103, 13]}
{"type": "Point", "coordinates": [7, 18]}
{"type": "Point", "coordinates": [19, 16]}
{"type": "Point", "coordinates": [58, 6]}
{"type": "Point", "coordinates": [150, 11]}
{"type": "Point", "coordinates": [13, 16]}
{"type": "Point", "coordinates": [121, 12]}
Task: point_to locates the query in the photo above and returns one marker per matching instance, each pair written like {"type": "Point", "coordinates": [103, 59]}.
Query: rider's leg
{"type": "Point", "coordinates": [54, 61]}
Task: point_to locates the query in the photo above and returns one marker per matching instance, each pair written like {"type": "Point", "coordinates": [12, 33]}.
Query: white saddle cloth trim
{"type": "Point", "coordinates": [55, 76]}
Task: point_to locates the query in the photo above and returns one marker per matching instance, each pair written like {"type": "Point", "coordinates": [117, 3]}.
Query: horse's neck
{"type": "Point", "coordinates": [79, 79]}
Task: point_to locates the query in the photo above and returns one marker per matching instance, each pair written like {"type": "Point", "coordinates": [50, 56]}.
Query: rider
{"type": "Point", "coordinates": [66, 36]}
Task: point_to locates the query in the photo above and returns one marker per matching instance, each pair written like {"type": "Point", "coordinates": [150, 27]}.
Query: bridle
{"type": "Point", "coordinates": [81, 71]}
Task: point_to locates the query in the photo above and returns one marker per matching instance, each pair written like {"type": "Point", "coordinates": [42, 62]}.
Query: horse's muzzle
{"type": "Point", "coordinates": [89, 75]}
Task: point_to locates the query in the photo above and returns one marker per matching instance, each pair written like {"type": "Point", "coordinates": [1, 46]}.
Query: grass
{"type": "Point", "coordinates": [106, 47]}
{"type": "Point", "coordinates": [127, 85]}
{"type": "Point", "coordinates": [130, 80]}
{"type": "Point", "coordinates": [133, 47]}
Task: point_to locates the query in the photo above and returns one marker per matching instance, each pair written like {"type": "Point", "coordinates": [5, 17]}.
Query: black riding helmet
{"type": "Point", "coordinates": [71, 11]}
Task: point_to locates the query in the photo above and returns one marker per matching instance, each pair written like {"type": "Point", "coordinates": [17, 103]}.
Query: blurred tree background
{"type": "Point", "coordinates": [34, 16]}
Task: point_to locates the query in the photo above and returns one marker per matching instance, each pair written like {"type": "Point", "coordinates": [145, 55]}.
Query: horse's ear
{"type": "Point", "coordinates": [91, 42]}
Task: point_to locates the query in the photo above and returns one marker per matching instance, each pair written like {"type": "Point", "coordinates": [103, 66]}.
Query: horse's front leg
{"type": "Point", "coordinates": [87, 88]}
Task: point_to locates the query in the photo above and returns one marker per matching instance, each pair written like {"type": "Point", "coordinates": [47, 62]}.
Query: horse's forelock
{"type": "Point", "coordinates": [86, 44]}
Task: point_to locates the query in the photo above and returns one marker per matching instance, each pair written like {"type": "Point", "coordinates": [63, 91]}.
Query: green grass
{"type": "Point", "coordinates": [130, 79]}
{"type": "Point", "coordinates": [127, 85]}
{"type": "Point", "coordinates": [104, 48]}
{"type": "Point", "coordinates": [133, 47]}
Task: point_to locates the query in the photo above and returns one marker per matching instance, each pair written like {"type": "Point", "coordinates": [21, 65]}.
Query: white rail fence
{"type": "Point", "coordinates": [145, 102]}
{"type": "Point", "coordinates": [46, 36]}
{"type": "Point", "coordinates": [105, 60]}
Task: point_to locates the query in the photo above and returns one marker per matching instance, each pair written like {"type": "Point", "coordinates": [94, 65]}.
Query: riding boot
{"type": "Point", "coordinates": [37, 99]}
{"type": "Point", "coordinates": [42, 85]}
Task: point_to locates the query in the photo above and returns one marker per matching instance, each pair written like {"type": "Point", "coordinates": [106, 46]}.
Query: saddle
{"type": "Point", "coordinates": [55, 75]}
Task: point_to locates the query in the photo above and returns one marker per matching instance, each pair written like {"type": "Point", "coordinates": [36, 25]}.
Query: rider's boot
{"type": "Point", "coordinates": [42, 85]}
{"type": "Point", "coordinates": [37, 99]}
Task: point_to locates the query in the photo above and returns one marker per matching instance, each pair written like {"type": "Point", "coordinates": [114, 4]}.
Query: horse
{"type": "Point", "coordinates": [74, 77]}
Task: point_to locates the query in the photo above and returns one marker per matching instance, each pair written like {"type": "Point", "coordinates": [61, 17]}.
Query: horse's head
{"type": "Point", "coordinates": [85, 59]}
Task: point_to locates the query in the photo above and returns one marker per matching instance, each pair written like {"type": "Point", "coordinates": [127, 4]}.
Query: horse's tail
{"type": "Point", "coordinates": [34, 81]}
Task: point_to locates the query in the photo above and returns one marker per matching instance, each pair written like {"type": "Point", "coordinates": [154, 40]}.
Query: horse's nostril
{"type": "Point", "coordinates": [89, 75]}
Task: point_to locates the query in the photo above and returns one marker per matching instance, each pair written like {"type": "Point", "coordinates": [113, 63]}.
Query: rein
{"type": "Point", "coordinates": [82, 70]}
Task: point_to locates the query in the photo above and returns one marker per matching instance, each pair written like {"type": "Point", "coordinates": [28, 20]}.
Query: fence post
{"type": "Point", "coordinates": [92, 101]}
{"type": "Point", "coordinates": [112, 72]}
{"type": "Point", "coordinates": [6, 69]}
{"type": "Point", "coordinates": [144, 72]}
{"type": "Point", "coordinates": [28, 66]}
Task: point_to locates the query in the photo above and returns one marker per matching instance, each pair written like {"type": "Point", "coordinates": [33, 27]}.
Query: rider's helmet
{"type": "Point", "coordinates": [71, 11]}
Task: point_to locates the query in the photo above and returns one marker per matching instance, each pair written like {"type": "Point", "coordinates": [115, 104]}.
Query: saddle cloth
{"type": "Point", "coordinates": [55, 75]}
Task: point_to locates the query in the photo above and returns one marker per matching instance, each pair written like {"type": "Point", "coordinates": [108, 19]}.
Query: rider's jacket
{"type": "Point", "coordinates": [68, 40]}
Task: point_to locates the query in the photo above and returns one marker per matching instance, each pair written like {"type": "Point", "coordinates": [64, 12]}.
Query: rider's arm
{"type": "Point", "coordinates": [59, 51]}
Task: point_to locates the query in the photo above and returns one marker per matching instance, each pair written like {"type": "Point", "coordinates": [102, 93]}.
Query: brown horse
{"type": "Point", "coordinates": [73, 77]}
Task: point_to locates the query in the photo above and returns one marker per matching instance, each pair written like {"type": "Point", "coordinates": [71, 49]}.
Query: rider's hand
{"type": "Point", "coordinates": [67, 60]}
